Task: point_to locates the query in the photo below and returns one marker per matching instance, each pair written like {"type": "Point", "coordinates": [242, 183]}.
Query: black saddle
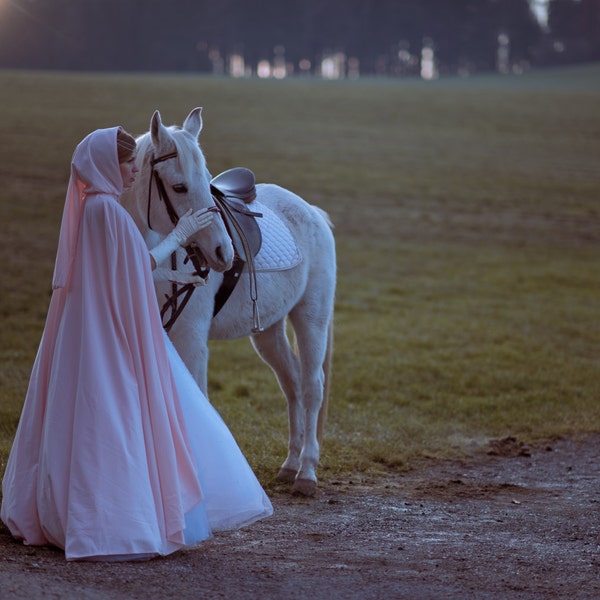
{"type": "Point", "coordinates": [238, 182]}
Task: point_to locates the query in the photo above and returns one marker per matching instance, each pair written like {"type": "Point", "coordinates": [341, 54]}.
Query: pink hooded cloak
{"type": "Point", "coordinates": [101, 465]}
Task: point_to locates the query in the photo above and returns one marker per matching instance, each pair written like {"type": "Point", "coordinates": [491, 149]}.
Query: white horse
{"type": "Point", "coordinates": [303, 293]}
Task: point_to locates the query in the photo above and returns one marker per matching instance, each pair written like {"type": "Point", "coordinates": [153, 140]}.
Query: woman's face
{"type": "Point", "coordinates": [128, 171]}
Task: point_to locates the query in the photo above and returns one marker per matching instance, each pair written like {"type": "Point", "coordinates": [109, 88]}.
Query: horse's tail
{"type": "Point", "coordinates": [326, 382]}
{"type": "Point", "coordinates": [325, 216]}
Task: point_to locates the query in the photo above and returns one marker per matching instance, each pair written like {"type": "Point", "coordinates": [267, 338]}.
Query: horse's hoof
{"type": "Point", "coordinates": [304, 487]}
{"type": "Point", "coordinates": [287, 475]}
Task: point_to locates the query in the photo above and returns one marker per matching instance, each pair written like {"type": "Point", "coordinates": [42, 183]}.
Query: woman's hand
{"type": "Point", "coordinates": [192, 222]}
{"type": "Point", "coordinates": [188, 224]}
{"type": "Point", "coordinates": [180, 277]}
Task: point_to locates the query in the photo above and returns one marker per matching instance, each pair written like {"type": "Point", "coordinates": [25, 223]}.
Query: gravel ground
{"type": "Point", "coordinates": [511, 522]}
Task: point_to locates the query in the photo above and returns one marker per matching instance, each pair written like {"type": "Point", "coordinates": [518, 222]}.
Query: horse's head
{"type": "Point", "coordinates": [174, 178]}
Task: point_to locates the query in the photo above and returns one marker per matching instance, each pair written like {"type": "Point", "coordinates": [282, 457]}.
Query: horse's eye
{"type": "Point", "coordinates": [180, 188]}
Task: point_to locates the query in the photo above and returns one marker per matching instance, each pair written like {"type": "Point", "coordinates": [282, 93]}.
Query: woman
{"type": "Point", "coordinates": [118, 455]}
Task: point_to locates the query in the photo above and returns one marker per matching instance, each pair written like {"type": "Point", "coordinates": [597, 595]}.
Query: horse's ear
{"type": "Point", "coordinates": [193, 122]}
{"type": "Point", "coordinates": [156, 128]}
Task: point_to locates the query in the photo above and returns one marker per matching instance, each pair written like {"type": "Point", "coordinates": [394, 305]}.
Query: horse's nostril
{"type": "Point", "coordinates": [219, 253]}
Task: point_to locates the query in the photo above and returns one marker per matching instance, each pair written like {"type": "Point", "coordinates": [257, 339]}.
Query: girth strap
{"type": "Point", "coordinates": [230, 280]}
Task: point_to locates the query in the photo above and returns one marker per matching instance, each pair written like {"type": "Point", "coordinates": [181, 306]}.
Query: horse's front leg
{"type": "Point", "coordinates": [273, 347]}
{"type": "Point", "coordinates": [190, 338]}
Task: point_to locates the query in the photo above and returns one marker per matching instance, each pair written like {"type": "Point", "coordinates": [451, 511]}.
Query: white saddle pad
{"type": "Point", "coordinates": [279, 250]}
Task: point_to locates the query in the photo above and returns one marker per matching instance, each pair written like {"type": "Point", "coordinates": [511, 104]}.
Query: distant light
{"type": "Point", "coordinates": [328, 70]}
{"type": "Point", "coordinates": [540, 10]}
{"type": "Point", "coordinates": [237, 67]}
{"type": "Point", "coordinates": [279, 70]}
{"type": "Point", "coordinates": [428, 70]}
{"type": "Point", "coordinates": [304, 64]}
{"type": "Point", "coordinates": [332, 67]}
{"type": "Point", "coordinates": [263, 70]}
{"type": "Point", "coordinates": [279, 66]}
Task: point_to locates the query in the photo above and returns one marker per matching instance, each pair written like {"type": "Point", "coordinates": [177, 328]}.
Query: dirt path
{"type": "Point", "coordinates": [516, 524]}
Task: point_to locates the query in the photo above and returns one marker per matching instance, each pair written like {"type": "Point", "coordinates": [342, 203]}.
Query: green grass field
{"type": "Point", "coordinates": [467, 220]}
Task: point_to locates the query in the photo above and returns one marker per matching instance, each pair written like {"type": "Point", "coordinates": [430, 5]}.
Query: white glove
{"type": "Point", "coordinates": [180, 277]}
{"type": "Point", "coordinates": [191, 222]}
{"type": "Point", "coordinates": [188, 224]}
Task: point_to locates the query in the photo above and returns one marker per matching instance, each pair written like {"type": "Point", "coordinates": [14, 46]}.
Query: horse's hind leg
{"type": "Point", "coordinates": [312, 337]}
{"type": "Point", "coordinates": [273, 346]}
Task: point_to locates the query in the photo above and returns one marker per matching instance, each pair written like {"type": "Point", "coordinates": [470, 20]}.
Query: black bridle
{"type": "Point", "coordinates": [162, 192]}
{"type": "Point", "coordinates": [194, 254]}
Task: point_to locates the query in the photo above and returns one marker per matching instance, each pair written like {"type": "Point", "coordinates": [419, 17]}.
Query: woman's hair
{"type": "Point", "coordinates": [125, 145]}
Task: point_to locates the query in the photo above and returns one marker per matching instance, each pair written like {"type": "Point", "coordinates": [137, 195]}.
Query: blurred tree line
{"type": "Point", "coordinates": [384, 37]}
